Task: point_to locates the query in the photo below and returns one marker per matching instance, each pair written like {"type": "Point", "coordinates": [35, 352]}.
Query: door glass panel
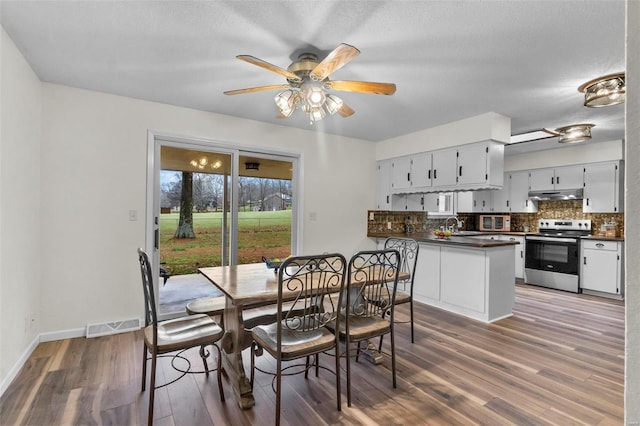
{"type": "Point", "coordinates": [265, 200]}
{"type": "Point", "coordinates": [487, 222]}
{"type": "Point", "coordinates": [196, 215]}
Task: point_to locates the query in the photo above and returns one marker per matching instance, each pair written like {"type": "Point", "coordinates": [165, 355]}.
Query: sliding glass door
{"type": "Point", "coordinates": [214, 205]}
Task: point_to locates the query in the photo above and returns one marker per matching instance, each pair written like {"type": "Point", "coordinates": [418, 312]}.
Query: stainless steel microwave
{"type": "Point", "coordinates": [494, 222]}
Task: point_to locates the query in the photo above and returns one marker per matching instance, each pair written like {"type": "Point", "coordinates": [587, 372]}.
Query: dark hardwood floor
{"type": "Point", "coordinates": [559, 360]}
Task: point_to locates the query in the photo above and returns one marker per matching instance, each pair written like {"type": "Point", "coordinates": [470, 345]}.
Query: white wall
{"type": "Point", "coordinates": [20, 164]}
{"type": "Point", "coordinates": [632, 218]}
{"type": "Point", "coordinates": [575, 154]}
{"type": "Point", "coordinates": [94, 149]}
{"type": "Point", "coordinates": [489, 126]}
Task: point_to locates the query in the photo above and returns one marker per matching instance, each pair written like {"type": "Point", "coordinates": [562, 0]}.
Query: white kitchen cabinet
{"type": "Point", "coordinates": [426, 283]}
{"type": "Point", "coordinates": [415, 203]}
{"type": "Point", "coordinates": [500, 202]}
{"type": "Point", "coordinates": [519, 201]}
{"type": "Point", "coordinates": [519, 253]}
{"type": "Point", "coordinates": [474, 201]}
{"type": "Point", "coordinates": [411, 174]}
{"type": "Point", "coordinates": [601, 269]}
{"type": "Point", "coordinates": [558, 178]}
{"type": "Point", "coordinates": [480, 164]}
{"type": "Point", "coordinates": [383, 179]}
{"type": "Point", "coordinates": [603, 188]}
{"type": "Point", "coordinates": [400, 174]}
{"type": "Point", "coordinates": [443, 171]}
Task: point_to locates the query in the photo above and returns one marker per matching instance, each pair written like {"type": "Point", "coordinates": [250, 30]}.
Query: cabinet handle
{"type": "Point", "coordinates": [599, 245]}
{"type": "Point", "coordinates": [526, 203]}
{"type": "Point", "coordinates": [474, 203]}
{"type": "Point", "coordinates": [429, 174]}
{"type": "Point", "coordinates": [482, 203]}
{"type": "Point", "coordinates": [552, 181]}
{"type": "Point", "coordinates": [408, 177]}
{"type": "Point", "coordinates": [435, 173]}
{"type": "Point", "coordinates": [585, 260]}
{"type": "Point", "coordinates": [557, 180]}
{"type": "Point", "coordinates": [422, 201]}
{"type": "Point", "coordinates": [460, 172]}
{"type": "Point", "coordinates": [387, 199]}
{"type": "Point", "coordinates": [587, 201]}
{"type": "Point", "coordinates": [521, 254]}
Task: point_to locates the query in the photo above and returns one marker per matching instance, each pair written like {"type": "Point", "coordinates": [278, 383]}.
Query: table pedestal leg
{"type": "Point", "coordinates": [233, 342]}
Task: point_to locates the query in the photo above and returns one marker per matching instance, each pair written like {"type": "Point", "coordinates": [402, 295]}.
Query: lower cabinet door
{"type": "Point", "coordinates": [599, 270]}
{"type": "Point", "coordinates": [427, 279]}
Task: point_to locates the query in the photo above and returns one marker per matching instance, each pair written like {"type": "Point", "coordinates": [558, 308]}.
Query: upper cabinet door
{"type": "Point", "coordinates": [421, 171]}
{"type": "Point", "coordinates": [519, 193]}
{"type": "Point", "coordinates": [444, 171]}
{"type": "Point", "coordinates": [472, 164]}
{"type": "Point", "coordinates": [569, 177]}
{"type": "Point", "coordinates": [400, 174]}
{"type": "Point", "coordinates": [383, 175]}
{"type": "Point", "coordinates": [602, 188]}
{"type": "Point", "coordinates": [542, 180]}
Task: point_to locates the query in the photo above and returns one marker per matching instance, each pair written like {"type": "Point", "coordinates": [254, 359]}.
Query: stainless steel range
{"type": "Point", "coordinates": [553, 255]}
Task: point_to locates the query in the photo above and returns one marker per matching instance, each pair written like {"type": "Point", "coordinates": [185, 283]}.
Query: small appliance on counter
{"type": "Point", "coordinates": [494, 222]}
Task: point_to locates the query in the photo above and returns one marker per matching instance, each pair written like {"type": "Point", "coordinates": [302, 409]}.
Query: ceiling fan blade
{"type": "Point", "coordinates": [346, 111]}
{"type": "Point", "coordinates": [361, 87]}
{"type": "Point", "coordinates": [335, 60]}
{"type": "Point", "coordinates": [257, 89]}
{"type": "Point", "coordinates": [266, 65]}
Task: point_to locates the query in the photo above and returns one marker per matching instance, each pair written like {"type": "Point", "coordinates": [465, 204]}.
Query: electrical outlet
{"type": "Point", "coordinates": [388, 225]}
{"type": "Point", "coordinates": [372, 216]}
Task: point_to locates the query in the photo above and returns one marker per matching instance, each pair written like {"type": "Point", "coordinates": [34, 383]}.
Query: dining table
{"type": "Point", "coordinates": [244, 287]}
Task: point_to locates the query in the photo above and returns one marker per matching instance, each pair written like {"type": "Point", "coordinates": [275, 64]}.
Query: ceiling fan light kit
{"type": "Point", "coordinates": [604, 91]}
{"type": "Point", "coordinates": [575, 133]}
{"type": "Point", "coordinates": [308, 82]}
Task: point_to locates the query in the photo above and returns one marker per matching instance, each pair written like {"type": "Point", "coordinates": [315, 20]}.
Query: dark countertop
{"type": "Point", "coordinates": [602, 237]}
{"type": "Point", "coordinates": [425, 237]}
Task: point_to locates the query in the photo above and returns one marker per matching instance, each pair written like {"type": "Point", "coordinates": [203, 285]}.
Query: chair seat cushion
{"type": "Point", "coordinates": [212, 306]}
{"type": "Point", "coordinates": [402, 297]}
{"type": "Point", "coordinates": [179, 333]}
{"type": "Point", "coordinates": [362, 328]}
{"type": "Point", "coordinates": [295, 344]}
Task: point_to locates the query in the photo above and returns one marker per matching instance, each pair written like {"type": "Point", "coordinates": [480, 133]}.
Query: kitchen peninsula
{"type": "Point", "coordinates": [467, 276]}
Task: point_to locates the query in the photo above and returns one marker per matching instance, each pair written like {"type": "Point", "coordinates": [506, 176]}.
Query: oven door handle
{"type": "Point", "coordinates": [553, 239]}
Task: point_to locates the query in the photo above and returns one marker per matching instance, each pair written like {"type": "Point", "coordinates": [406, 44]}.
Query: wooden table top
{"type": "Point", "coordinates": [249, 283]}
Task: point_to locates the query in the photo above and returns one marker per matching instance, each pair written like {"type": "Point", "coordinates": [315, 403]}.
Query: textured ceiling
{"type": "Point", "coordinates": [450, 59]}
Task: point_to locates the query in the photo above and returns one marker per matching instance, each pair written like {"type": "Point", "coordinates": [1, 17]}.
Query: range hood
{"type": "Point", "coordinates": [561, 194]}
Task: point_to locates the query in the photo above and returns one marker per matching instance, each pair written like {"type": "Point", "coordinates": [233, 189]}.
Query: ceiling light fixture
{"type": "Point", "coordinates": [202, 162]}
{"type": "Point", "coordinates": [604, 91]}
{"type": "Point", "coordinates": [575, 133]}
{"type": "Point", "coordinates": [309, 97]}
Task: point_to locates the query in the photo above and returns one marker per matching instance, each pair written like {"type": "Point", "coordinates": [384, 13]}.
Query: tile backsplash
{"type": "Point", "coordinates": [546, 209]}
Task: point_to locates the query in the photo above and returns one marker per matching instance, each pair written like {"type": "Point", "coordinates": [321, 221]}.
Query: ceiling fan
{"type": "Point", "coordinates": [308, 82]}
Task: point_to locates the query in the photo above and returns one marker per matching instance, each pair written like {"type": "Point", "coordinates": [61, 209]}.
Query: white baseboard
{"type": "Point", "coordinates": [62, 334]}
{"type": "Point", "coordinates": [6, 381]}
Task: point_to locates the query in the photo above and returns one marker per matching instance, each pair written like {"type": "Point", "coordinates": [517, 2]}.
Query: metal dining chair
{"type": "Point", "coordinates": [372, 275]}
{"type": "Point", "coordinates": [408, 249]}
{"type": "Point", "coordinates": [299, 330]}
{"type": "Point", "coordinates": [164, 337]}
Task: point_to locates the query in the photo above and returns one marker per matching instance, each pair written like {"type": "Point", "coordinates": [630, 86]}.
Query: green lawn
{"type": "Point", "coordinates": [265, 234]}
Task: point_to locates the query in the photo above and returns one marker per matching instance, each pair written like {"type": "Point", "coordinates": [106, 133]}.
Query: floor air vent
{"type": "Point", "coordinates": [105, 328]}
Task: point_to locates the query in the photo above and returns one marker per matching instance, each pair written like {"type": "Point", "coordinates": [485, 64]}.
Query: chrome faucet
{"type": "Point", "coordinates": [457, 226]}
